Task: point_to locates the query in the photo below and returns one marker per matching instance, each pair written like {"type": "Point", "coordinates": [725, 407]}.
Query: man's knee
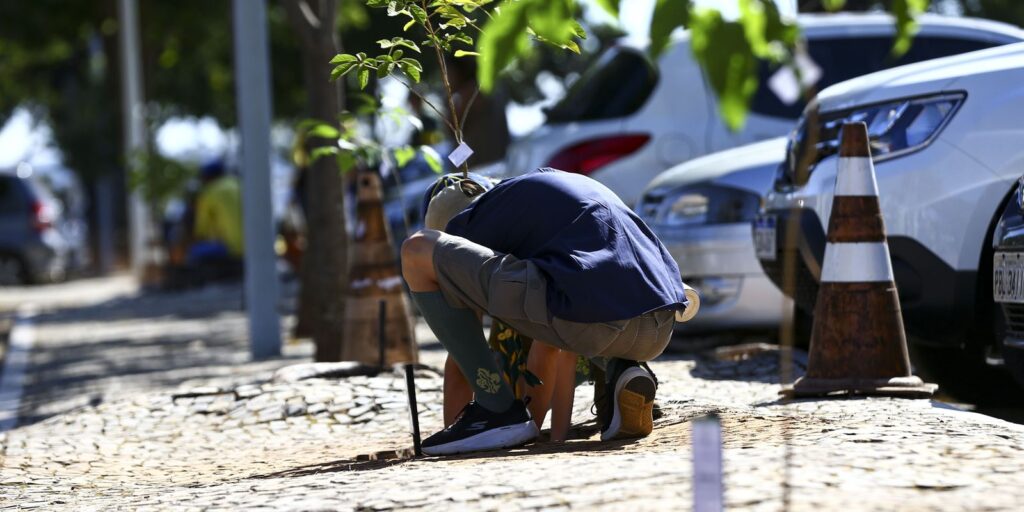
{"type": "Point", "coordinates": [419, 248]}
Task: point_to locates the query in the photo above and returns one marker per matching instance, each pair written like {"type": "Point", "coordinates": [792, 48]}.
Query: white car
{"type": "Point", "coordinates": [625, 120]}
{"type": "Point", "coordinates": [948, 146]}
{"type": "Point", "coordinates": [701, 210]}
{"type": "Point", "coordinates": [694, 208]}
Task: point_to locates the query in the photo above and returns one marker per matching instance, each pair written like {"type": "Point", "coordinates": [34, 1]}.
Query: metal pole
{"type": "Point", "coordinates": [252, 76]}
{"type": "Point", "coordinates": [414, 414]}
{"type": "Point", "coordinates": [134, 127]}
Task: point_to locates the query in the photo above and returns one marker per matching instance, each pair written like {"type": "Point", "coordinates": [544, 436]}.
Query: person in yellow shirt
{"type": "Point", "coordinates": [218, 231]}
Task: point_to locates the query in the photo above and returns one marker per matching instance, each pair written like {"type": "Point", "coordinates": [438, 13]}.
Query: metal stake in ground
{"type": "Point", "coordinates": [414, 415]}
{"type": "Point", "coordinates": [382, 335]}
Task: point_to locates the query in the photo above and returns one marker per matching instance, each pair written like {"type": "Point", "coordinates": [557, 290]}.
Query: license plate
{"type": "Point", "coordinates": [1008, 277]}
{"type": "Point", "coordinates": [764, 237]}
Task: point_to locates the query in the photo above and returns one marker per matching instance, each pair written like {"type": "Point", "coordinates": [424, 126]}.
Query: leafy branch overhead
{"type": "Point", "coordinates": [453, 27]}
{"type": "Point", "coordinates": [493, 32]}
{"type": "Point", "coordinates": [729, 50]}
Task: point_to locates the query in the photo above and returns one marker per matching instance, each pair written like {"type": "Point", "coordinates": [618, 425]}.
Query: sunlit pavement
{"type": "Point", "coordinates": [140, 401]}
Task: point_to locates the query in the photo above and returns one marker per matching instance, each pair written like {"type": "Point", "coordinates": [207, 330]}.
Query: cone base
{"type": "Point", "coordinates": [900, 387]}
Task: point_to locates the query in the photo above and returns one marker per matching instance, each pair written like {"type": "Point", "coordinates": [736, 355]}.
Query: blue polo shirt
{"type": "Point", "coordinates": [602, 263]}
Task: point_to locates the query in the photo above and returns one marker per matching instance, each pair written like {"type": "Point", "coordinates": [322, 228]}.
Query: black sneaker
{"type": "Point", "coordinates": [478, 429]}
{"type": "Point", "coordinates": [630, 401]}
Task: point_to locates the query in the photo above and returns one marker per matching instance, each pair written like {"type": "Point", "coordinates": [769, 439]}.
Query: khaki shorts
{"type": "Point", "coordinates": [515, 291]}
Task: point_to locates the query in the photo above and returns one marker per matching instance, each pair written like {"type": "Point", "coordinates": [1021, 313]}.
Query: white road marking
{"type": "Point", "coordinates": [16, 362]}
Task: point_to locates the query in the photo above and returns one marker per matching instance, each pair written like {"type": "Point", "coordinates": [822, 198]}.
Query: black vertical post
{"type": "Point", "coordinates": [382, 339]}
{"type": "Point", "coordinates": [410, 386]}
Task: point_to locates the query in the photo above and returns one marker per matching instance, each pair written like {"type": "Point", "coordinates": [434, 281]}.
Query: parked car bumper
{"type": "Point", "coordinates": [718, 260]}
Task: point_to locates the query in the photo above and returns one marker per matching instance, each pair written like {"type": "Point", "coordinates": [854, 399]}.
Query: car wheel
{"type": "Point", "coordinates": [1014, 358]}
{"type": "Point", "coordinates": [12, 271]}
{"type": "Point", "coordinates": [963, 375]}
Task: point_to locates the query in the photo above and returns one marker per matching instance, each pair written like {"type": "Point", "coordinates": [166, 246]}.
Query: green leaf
{"type": "Point", "coordinates": [503, 39]}
{"type": "Point", "coordinates": [668, 15]}
{"type": "Point", "coordinates": [412, 62]}
{"type": "Point", "coordinates": [364, 78]}
{"type": "Point", "coordinates": [906, 13]}
{"type": "Point", "coordinates": [432, 158]}
{"type": "Point", "coordinates": [404, 155]}
{"type": "Point", "coordinates": [460, 37]}
{"type": "Point", "coordinates": [554, 20]}
{"type": "Point", "coordinates": [342, 69]}
{"type": "Point", "coordinates": [385, 43]}
{"type": "Point", "coordinates": [578, 30]}
{"type": "Point", "coordinates": [324, 131]}
{"type": "Point", "coordinates": [458, 23]}
{"type": "Point", "coordinates": [418, 13]}
{"type": "Point", "coordinates": [397, 55]}
{"type": "Point", "coordinates": [410, 69]}
{"type": "Point", "coordinates": [833, 5]}
{"type": "Point", "coordinates": [322, 151]}
{"type": "Point", "coordinates": [409, 25]}
{"type": "Point", "coordinates": [394, 10]}
{"type": "Point", "coordinates": [464, 53]}
{"type": "Point", "coordinates": [346, 161]}
{"type": "Point", "coordinates": [612, 6]}
{"type": "Point", "coordinates": [728, 61]}
{"type": "Point", "coordinates": [343, 57]}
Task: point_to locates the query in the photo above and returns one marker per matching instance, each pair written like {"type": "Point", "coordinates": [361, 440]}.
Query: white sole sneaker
{"type": "Point", "coordinates": [632, 405]}
{"type": "Point", "coordinates": [502, 437]}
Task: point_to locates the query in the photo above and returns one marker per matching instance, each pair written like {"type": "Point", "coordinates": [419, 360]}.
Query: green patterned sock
{"type": "Point", "coordinates": [461, 333]}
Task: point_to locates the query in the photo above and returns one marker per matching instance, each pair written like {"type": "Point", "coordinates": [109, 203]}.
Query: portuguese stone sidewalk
{"type": "Point", "coordinates": [150, 402]}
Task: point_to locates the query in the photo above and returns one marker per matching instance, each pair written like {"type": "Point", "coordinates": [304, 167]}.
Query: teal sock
{"type": "Point", "coordinates": [461, 333]}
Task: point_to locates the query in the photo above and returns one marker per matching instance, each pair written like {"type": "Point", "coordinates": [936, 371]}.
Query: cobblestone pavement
{"type": "Point", "coordinates": [150, 402]}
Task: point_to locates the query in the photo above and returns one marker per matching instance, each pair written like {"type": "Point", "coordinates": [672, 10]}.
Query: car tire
{"type": "Point", "coordinates": [1014, 358]}
{"type": "Point", "coordinates": [963, 375]}
{"type": "Point", "coordinates": [12, 271]}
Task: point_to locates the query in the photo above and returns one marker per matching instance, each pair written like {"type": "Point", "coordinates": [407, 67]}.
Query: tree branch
{"type": "Point", "coordinates": [469, 105]}
{"type": "Point", "coordinates": [425, 100]}
{"type": "Point", "coordinates": [303, 21]}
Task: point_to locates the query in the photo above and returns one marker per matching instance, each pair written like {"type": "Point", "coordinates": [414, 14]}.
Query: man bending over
{"type": "Point", "coordinates": [561, 259]}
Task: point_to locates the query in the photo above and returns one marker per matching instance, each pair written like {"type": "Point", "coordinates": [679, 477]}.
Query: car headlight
{"type": "Point", "coordinates": [895, 128]}
{"type": "Point", "coordinates": [699, 204]}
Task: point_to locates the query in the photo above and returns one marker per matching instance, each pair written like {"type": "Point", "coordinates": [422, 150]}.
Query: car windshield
{"type": "Point", "coordinates": [616, 85]}
{"type": "Point", "coordinates": [843, 58]}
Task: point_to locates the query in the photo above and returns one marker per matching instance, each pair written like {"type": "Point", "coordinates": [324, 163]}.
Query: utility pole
{"type": "Point", "coordinates": [252, 76]}
{"type": "Point", "coordinates": [134, 128]}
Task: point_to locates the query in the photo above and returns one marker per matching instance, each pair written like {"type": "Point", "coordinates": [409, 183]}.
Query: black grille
{"type": "Point", "coordinates": [1014, 319]}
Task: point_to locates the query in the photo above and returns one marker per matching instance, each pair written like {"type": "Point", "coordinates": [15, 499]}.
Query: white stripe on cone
{"type": "Point", "coordinates": [861, 262]}
{"type": "Point", "coordinates": [856, 177]}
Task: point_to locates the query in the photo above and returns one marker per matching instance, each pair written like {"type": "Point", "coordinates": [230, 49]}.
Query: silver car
{"type": "Point", "coordinates": [701, 211]}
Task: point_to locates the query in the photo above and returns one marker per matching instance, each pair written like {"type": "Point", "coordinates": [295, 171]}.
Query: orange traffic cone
{"type": "Point", "coordinates": [858, 345]}
{"type": "Point", "coordinates": [378, 327]}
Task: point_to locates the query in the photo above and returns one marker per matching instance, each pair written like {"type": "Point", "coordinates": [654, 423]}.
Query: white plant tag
{"type": "Point", "coordinates": [460, 154]}
{"type": "Point", "coordinates": [784, 82]}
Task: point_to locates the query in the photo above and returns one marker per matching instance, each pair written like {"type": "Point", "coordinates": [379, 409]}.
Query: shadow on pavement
{"type": "Point", "coordinates": [533, 450]}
